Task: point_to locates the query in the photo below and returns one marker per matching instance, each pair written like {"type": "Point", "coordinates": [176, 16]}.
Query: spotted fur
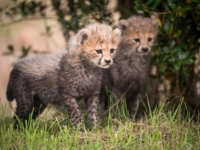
{"type": "Point", "coordinates": [128, 77]}
{"type": "Point", "coordinates": [63, 78]}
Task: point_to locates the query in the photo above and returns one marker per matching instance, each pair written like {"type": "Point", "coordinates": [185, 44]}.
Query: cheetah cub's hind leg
{"type": "Point", "coordinates": [28, 107]}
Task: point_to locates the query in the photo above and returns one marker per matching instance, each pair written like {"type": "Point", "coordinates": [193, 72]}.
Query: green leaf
{"type": "Point", "coordinates": [166, 7]}
{"type": "Point", "coordinates": [177, 34]}
{"type": "Point", "coordinates": [162, 68]}
{"type": "Point", "coordinates": [165, 58]}
{"type": "Point", "coordinates": [166, 50]}
{"type": "Point", "coordinates": [166, 26]}
{"type": "Point", "coordinates": [149, 2]}
{"type": "Point", "coordinates": [172, 43]}
{"type": "Point", "coordinates": [10, 48]}
{"type": "Point", "coordinates": [198, 11]}
{"type": "Point", "coordinates": [182, 55]}
{"type": "Point", "coordinates": [172, 4]}
{"type": "Point", "coordinates": [156, 3]}
{"type": "Point", "coordinates": [171, 60]}
{"type": "Point", "coordinates": [138, 6]}
{"type": "Point", "coordinates": [177, 49]}
{"type": "Point", "coordinates": [188, 61]}
{"type": "Point", "coordinates": [25, 51]}
{"type": "Point", "coordinates": [171, 17]}
{"type": "Point", "coordinates": [177, 66]}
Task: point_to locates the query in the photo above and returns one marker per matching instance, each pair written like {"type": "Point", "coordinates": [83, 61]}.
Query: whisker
{"type": "Point", "coordinates": [115, 64]}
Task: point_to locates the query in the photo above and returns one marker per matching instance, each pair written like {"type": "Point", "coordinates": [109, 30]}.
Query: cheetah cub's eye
{"type": "Point", "coordinates": [149, 39]}
{"type": "Point", "coordinates": [137, 40]}
{"type": "Point", "coordinates": [99, 51]}
{"type": "Point", "coordinates": [112, 50]}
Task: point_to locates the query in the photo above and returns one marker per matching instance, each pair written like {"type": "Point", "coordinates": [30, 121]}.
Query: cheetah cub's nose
{"type": "Point", "coordinates": [107, 61]}
{"type": "Point", "coordinates": [145, 49]}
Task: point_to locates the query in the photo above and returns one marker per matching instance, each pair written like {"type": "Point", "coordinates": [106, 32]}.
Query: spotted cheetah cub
{"type": "Point", "coordinates": [128, 77]}
{"type": "Point", "coordinates": [65, 77]}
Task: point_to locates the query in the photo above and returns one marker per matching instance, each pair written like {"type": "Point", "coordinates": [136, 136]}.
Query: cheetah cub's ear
{"type": "Point", "coordinates": [117, 32]}
{"type": "Point", "coordinates": [82, 36]}
{"type": "Point", "coordinates": [154, 20]}
{"type": "Point", "coordinates": [123, 24]}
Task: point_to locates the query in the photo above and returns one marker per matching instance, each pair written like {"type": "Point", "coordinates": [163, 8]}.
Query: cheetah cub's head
{"type": "Point", "coordinates": [138, 34]}
{"type": "Point", "coordinates": [97, 44]}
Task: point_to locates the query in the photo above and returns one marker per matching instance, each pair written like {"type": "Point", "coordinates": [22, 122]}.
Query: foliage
{"type": "Point", "coordinates": [177, 41]}
{"type": "Point", "coordinates": [80, 13]}
{"type": "Point", "coordinates": [71, 14]}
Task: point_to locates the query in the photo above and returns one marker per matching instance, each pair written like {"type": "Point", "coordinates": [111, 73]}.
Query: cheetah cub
{"type": "Point", "coordinates": [65, 77]}
{"type": "Point", "coordinates": [126, 79]}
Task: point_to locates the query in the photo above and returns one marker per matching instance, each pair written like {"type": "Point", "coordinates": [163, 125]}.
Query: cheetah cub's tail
{"type": "Point", "coordinates": [9, 92]}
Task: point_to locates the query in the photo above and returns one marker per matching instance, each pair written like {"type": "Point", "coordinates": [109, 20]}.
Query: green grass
{"type": "Point", "coordinates": [160, 130]}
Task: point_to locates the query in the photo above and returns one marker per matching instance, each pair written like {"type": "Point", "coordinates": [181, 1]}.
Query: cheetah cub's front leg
{"type": "Point", "coordinates": [74, 112]}
{"type": "Point", "coordinates": [92, 108]}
